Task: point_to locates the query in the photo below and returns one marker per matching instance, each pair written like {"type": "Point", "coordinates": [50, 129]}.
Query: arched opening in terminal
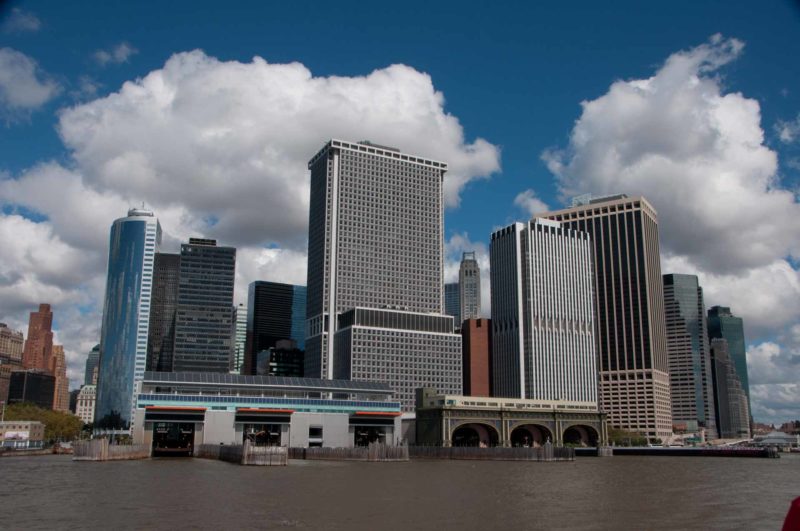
{"type": "Point", "coordinates": [364, 435]}
{"type": "Point", "coordinates": [530, 435]}
{"type": "Point", "coordinates": [479, 435]}
{"type": "Point", "coordinates": [173, 439]}
{"type": "Point", "coordinates": [581, 436]}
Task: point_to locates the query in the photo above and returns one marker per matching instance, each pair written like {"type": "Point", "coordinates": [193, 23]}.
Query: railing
{"type": "Point", "coordinates": [548, 452]}
{"type": "Point", "coordinates": [101, 450]}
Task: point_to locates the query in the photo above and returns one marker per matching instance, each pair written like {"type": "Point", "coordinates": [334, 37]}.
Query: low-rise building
{"type": "Point", "coordinates": [21, 434]}
{"type": "Point", "coordinates": [84, 408]}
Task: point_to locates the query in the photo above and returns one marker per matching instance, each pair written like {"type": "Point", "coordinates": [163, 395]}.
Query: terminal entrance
{"type": "Point", "coordinates": [580, 436]}
{"type": "Point", "coordinates": [365, 435]}
{"type": "Point", "coordinates": [262, 434]}
{"type": "Point", "coordinates": [173, 438]}
{"type": "Point", "coordinates": [530, 436]}
{"type": "Point", "coordinates": [480, 435]}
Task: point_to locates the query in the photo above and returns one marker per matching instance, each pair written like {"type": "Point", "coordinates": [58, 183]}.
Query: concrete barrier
{"type": "Point", "coordinates": [548, 452]}
{"type": "Point", "coordinates": [244, 455]}
{"type": "Point", "coordinates": [101, 450]}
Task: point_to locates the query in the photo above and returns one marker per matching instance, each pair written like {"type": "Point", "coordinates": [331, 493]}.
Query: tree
{"type": "Point", "coordinates": [58, 426]}
{"type": "Point", "coordinates": [619, 437]}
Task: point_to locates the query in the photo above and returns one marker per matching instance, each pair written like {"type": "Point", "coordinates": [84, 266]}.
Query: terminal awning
{"type": "Point", "coordinates": [253, 415]}
{"type": "Point", "coordinates": [374, 418]}
{"type": "Point", "coordinates": [174, 414]}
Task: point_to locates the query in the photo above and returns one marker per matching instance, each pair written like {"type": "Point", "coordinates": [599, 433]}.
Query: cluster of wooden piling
{"type": "Point", "coordinates": [375, 452]}
{"type": "Point", "coordinates": [247, 454]}
{"type": "Point", "coordinates": [101, 450]}
{"type": "Point", "coordinates": [548, 452]}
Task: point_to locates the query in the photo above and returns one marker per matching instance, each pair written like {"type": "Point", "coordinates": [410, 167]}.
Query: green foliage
{"type": "Point", "coordinates": [58, 426]}
{"type": "Point", "coordinates": [619, 437]}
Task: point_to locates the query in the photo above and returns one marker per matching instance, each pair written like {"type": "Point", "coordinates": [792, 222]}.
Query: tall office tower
{"type": "Point", "coordinates": [691, 387]}
{"type": "Point", "coordinates": [476, 339]}
{"type": "Point", "coordinates": [163, 306]}
{"type": "Point", "coordinates": [730, 400]}
{"type": "Point", "coordinates": [58, 369]}
{"type": "Point", "coordinates": [375, 269]}
{"type": "Point", "coordinates": [92, 363]}
{"type": "Point", "coordinates": [275, 312]}
{"type": "Point", "coordinates": [452, 303]}
{"type": "Point", "coordinates": [240, 339]}
{"type": "Point", "coordinates": [723, 324]}
{"type": "Point", "coordinates": [133, 244]}
{"type": "Point", "coordinates": [11, 343]}
{"type": "Point", "coordinates": [204, 320]}
{"type": "Point", "coordinates": [32, 385]}
{"type": "Point", "coordinates": [543, 343]}
{"type": "Point", "coordinates": [469, 287]}
{"type": "Point", "coordinates": [38, 349]}
{"type": "Point", "coordinates": [630, 331]}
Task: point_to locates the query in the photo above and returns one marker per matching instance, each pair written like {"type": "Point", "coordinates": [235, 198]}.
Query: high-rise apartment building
{"type": "Point", "coordinates": [11, 345]}
{"type": "Point", "coordinates": [543, 343]}
{"type": "Point", "coordinates": [163, 307]}
{"type": "Point", "coordinates": [724, 325]}
{"type": "Point", "coordinates": [730, 400]}
{"type": "Point", "coordinates": [240, 339]}
{"type": "Point", "coordinates": [38, 350]}
{"type": "Point", "coordinates": [469, 287]}
{"type": "Point", "coordinates": [133, 243]}
{"type": "Point", "coordinates": [375, 270]}
{"type": "Point", "coordinates": [275, 312]}
{"type": "Point", "coordinates": [630, 332]}
{"type": "Point", "coordinates": [204, 319]}
{"type": "Point", "coordinates": [476, 362]}
{"type": "Point", "coordinates": [452, 302]}
{"type": "Point", "coordinates": [691, 385]}
{"type": "Point", "coordinates": [92, 365]}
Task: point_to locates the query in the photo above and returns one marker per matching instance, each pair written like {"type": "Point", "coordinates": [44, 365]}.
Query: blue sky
{"type": "Point", "coordinates": [512, 74]}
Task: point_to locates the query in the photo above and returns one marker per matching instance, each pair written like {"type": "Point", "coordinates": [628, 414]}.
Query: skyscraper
{"type": "Point", "coordinates": [691, 386]}
{"type": "Point", "coordinates": [469, 287]}
{"type": "Point", "coordinates": [476, 339]}
{"type": "Point", "coordinates": [542, 323]}
{"type": "Point", "coordinates": [39, 345]}
{"type": "Point", "coordinates": [452, 302]}
{"type": "Point", "coordinates": [91, 369]}
{"type": "Point", "coordinates": [58, 369]}
{"type": "Point", "coordinates": [723, 324]}
{"type": "Point", "coordinates": [204, 320]}
{"type": "Point", "coordinates": [630, 332]}
{"type": "Point", "coordinates": [133, 244]}
{"type": "Point", "coordinates": [375, 269]}
{"type": "Point", "coordinates": [730, 400]}
{"type": "Point", "coordinates": [240, 339]}
{"type": "Point", "coordinates": [11, 344]}
{"type": "Point", "coordinates": [163, 306]}
{"type": "Point", "coordinates": [275, 311]}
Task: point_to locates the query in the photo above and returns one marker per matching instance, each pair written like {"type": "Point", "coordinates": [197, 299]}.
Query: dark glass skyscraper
{"type": "Point", "coordinates": [204, 319]}
{"type": "Point", "coordinates": [723, 324]}
{"type": "Point", "coordinates": [689, 359]}
{"type": "Point", "coordinates": [133, 244]}
{"type": "Point", "coordinates": [92, 362]}
{"type": "Point", "coordinates": [452, 303]}
{"type": "Point", "coordinates": [161, 339]}
{"type": "Point", "coordinates": [275, 312]}
{"type": "Point", "coordinates": [730, 399]}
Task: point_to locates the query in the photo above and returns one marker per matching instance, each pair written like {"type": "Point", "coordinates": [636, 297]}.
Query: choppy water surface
{"type": "Point", "coordinates": [590, 493]}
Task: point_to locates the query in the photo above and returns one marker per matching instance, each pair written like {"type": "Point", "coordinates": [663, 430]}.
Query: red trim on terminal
{"type": "Point", "coordinates": [260, 410]}
{"type": "Point", "coordinates": [173, 408]}
{"type": "Point", "coordinates": [378, 413]}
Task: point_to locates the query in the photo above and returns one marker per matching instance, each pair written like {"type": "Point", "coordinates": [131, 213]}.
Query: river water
{"type": "Point", "coordinates": [637, 493]}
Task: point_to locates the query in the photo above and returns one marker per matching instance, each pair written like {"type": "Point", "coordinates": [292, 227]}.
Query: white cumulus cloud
{"type": "Point", "coordinates": [789, 131]}
{"type": "Point", "coordinates": [23, 86]}
{"type": "Point", "coordinates": [115, 55]}
{"type": "Point", "coordinates": [20, 21]}
{"type": "Point", "coordinates": [528, 201]}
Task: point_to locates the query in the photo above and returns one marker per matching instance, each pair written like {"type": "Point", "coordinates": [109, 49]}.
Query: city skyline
{"type": "Point", "coordinates": [494, 187]}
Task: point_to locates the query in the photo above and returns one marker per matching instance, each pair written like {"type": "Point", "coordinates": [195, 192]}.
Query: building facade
{"type": "Point", "coordinates": [469, 287]}
{"type": "Point", "coordinates": [204, 319]}
{"type": "Point", "coordinates": [133, 244]}
{"type": "Point", "coordinates": [163, 307]}
{"type": "Point", "coordinates": [32, 385]}
{"type": "Point", "coordinates": [452, 303]}
{"type": "Point", "coordinates": [275, 312]}
{"type": "Point", "coordinates": [22, 434]}
{"type": "Point", "coordinates": [730, 400]}
{"type": "Point", "coordinates": [630, 331]}
{"type": "Point", "coordinates": [722, 324]}
{"type": "Point", "coordinates": [284, 359]}
{"type": "Point", "coordinates": [240, 339]}
{"type": "Point", "coordinates": [92, 365]}
{"type": "Point", "coordinates": [542, 317]}
{"type": "Point", "coordinates": [59, 372]}
{"type": "Point", "coordinates": [11, 346]}
{"type": "Point", "coordinates": [84, 407]}
{"type": "Point", "coordinates": [38, 350]}
{"type": "Point", "coordinates": [476, 362]}
{"type": "Point", "coordinates": [691, 385]}
{"type": "Point", "coordinates": [376, 255]}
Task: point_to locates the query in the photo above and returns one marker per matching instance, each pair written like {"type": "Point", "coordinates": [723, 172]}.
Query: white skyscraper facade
{"type": "Point", "coordinates": [375, 271]}
{"type": "Point", "coordinates": [543, 343]}
{"type": "Point", "coordinates": [469, 287]}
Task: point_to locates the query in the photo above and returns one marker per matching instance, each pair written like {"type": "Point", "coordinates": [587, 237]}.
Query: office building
{"type": "Point", "coordinates": [375, 271]}
{"type": "Point", "coordinates": [32, 385]}
{"type": "Point", "coordinates": [11, 346]}
{"type": "Point", "coordinates": [22, 434]}
{"type": "Point", "coordinates": [284, 359]}
{"type": "Point", "coordinates": [691, 386]}
{"type": "Point", "coordinates": [204, 320]}
{"type": "Point", "coordinates": [59, 371]}
{"type": "Point", "coordinates": [630, 332]}
{"type": "Point", "coordinates": [452, 303]}
{"type": "Point", "coordinates": [724, 325]}
{"type": "Point", "coordinates": [476, 361]}
{"type": "Point", "coordinates": [84, 407]}
{"type": "Point", "coordinates": [240, 339]}
{"type": "Point", "coordinates": [275, 312]}
{"type": "Point", "coordinates": [133, 243]}
{"type": "Point", "coordinates": [163, 306]}
{"type": "Point", "coordinates": [38, 351]}
{"type": "Point", "coordinates": [469, 287]}
{"type": "Point", "coordinates": [92, 365]}
{"type": "Point", "coordinates": [730, 400]}
{"type": "Point", "coordinates": [543, 344]}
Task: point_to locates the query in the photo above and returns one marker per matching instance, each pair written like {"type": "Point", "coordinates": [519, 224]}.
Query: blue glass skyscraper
{"type": "Point", "coordinates": [126, 314]}
{"type": "Point", "coordinates": [275, 311]}
{"type": "Point", "coordinates": [723, 324]}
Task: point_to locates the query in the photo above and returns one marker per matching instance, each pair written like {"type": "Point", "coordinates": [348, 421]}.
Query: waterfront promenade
{"type": "Point", "coordinates": [589, 493]}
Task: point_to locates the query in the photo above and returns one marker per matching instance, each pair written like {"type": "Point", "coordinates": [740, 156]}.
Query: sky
{"type": "Point", "coordinates": [208, 114]}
